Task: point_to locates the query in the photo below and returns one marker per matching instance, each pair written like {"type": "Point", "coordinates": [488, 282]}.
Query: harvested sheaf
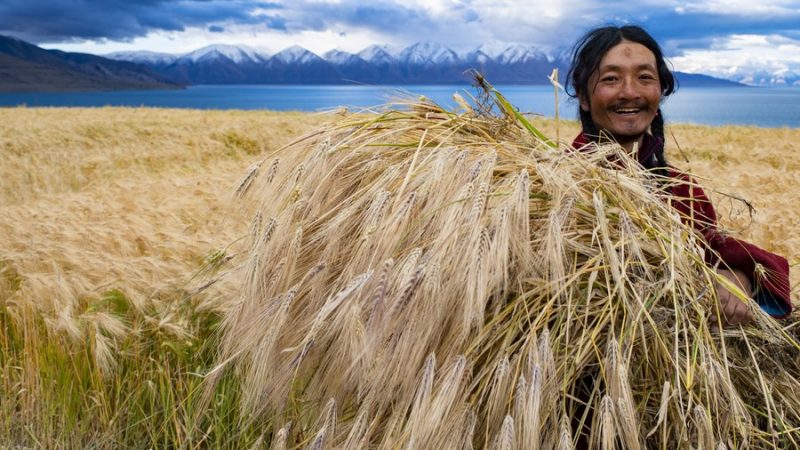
{"type": "Point", "coordinates": [428, 279]}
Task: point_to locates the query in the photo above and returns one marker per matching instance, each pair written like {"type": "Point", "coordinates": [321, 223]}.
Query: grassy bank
{"type": "Point", "coordinates": [116, 221]}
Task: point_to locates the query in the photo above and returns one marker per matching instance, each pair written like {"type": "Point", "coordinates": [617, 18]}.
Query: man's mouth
{"type": "Point", "coordinates": [628, 110]}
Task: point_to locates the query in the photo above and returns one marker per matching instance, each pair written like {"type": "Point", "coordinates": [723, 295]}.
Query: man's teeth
{"type": "Point", "coordinates": [627, 110]}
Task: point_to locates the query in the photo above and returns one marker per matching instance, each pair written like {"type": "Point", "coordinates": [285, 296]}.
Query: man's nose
{"type": "Point", "coordinates": [629, 89]}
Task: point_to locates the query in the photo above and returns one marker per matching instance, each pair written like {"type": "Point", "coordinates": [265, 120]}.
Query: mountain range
{"type": "Point", "coordinates": [421, 63]}
{"type": "Point", "coordinates": [24, 66]}
{"type": "Point", "coordinates": [27, 68]}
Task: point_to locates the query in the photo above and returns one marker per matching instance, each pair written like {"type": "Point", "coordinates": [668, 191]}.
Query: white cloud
{"type": "Point", "coordinates": [739, 52]}
{"type": "Point", "coordinates": [744, 8]}
{"type": "Point", "coordinates": [268, 41]}
{"type": "Point", "coordinates": [436, 7]}
{"type": "Point", "coordinates": [746, 58]}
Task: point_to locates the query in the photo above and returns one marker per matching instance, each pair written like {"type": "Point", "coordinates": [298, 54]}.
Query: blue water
{"type": "Point", "coordinates": [765, 107]}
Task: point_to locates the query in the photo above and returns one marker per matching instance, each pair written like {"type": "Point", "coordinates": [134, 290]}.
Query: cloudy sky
{"type": "Point", "coordinates": [710, 36]}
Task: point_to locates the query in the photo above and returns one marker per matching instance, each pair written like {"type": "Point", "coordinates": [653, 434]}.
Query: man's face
{"type": "Point", "coordinates": [624, 92]}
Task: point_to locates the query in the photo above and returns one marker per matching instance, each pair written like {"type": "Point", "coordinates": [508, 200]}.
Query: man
{"type": "Point", "coordinates": [620, 77]}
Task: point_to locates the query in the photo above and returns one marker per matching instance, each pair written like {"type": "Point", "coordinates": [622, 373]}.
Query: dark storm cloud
{"type": "Point", "coordinates": [403, 22]}
{"type": "Point", "coordinates": [122, 20]}
{"type": "Point", "coordinates": [380, 16]}
{"type": "Point", "coordinates": [696, 25]}
{"type": "Point", "coordinates": [683, 31]}
{"type": "Point", "coordinates": [703, 26]}
{"type": "Point", "coordinates": [69, 20]}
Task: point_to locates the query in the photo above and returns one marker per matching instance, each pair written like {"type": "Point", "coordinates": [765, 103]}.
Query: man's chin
{"type": "Point", "coordinates": [628, 138]}
{"type": "Point", "coordinates": [625, 138]}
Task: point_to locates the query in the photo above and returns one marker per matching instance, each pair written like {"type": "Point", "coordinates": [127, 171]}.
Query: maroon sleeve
{"type": "Point", "coordinates": [768, 272]}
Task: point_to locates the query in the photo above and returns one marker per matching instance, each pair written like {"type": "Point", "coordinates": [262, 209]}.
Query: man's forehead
{"type": "Point", "coordinates": [628, 54]}
{"type": "Point", "coordinates": [612, 66]}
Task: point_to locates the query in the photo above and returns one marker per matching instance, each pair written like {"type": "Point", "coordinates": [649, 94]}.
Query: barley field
{"type": "Point", "coordinates": [121, 235]}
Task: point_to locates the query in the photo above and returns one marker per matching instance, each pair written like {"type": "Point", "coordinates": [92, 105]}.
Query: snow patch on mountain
{"type": "Point", "coordinates": [477, 56]}
{"type": "Point", "coordinates": [236, 53]}
{"type": "Point", "coordinates": [340, 58]}
{"type": "Point", "coordinates": [377, 54]}
{"type": "Point", "coordinates": [492, 49]}
{"type": "Point", "coordinates": [296, 55]}
{"type": "Point", "coordinates": [144, 57]}
{"type": "Point", "coordinates": [429, 53]}
{"type": "Point", "coordinates": [776, 75]}
{"type": "Point", "coordinates": [520, 54]}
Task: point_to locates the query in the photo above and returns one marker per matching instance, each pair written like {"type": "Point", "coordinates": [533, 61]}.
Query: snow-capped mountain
{"type": "Point", "coordinates": [378, 55]}
{"type": "Point", "coordinates": [296, 55]}
{"type": "Point", "coordinates": [355, 68]}
{"type": "Point", "coordinates": [520, 54]}
{"type": "Point", "coordinates": [340, 58]}
{"type": "Point", "coordinates": [428, 53]}
{"type": "Point", "coordinates": [144, 57]}
{"type": "Point", "coordinates": [217, 64]}
{"type": "Point", "coordinates": [477, 56]}
{"type": "Point", "coordinates": [237, 53]}
{"type": "Point", "coordinates": [783, 77]}
{"type": "Point", "coordinates": [297, 65]}
{"type": "Point", "coordinates": [492, 49]}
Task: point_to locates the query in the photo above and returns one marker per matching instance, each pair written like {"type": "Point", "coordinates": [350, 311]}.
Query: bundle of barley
{"type": "Point", "coordinates": [422, 278]}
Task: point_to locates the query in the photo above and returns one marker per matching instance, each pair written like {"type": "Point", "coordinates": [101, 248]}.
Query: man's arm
{"type": "Point", "coordinates": [761, 272]}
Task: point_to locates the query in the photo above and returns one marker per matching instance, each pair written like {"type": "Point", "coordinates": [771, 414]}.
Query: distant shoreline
{"type": "Point", "coordinates": [68, 89]}
{"type": "Point", "coordinates": [53, 90]}
{"type": "Point", "coordinates": [769, 108]}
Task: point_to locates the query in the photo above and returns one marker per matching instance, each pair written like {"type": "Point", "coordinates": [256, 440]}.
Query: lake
{"type": "Point", "coordinates": [764, 107]}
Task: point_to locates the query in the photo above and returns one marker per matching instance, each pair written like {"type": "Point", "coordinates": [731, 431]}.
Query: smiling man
{"type": "Point", "coordinates": [625, 92]}
{"type": "Point", "coordinates": [620, 77]}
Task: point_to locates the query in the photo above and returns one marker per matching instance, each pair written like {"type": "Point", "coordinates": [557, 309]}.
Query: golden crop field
{"type": "Point", "coordinates": [116, 222]}
{"type": "Point", "coordinates": [129, 199]}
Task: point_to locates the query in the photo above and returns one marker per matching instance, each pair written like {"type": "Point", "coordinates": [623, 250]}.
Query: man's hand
{"type": "Point", "coordinates": [733, 310]}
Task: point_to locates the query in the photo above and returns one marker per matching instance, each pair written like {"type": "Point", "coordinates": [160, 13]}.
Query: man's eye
{"type": "Point", "coordinates": [647, 76]}
{"type": "Point", "coordinates": [608, 79]}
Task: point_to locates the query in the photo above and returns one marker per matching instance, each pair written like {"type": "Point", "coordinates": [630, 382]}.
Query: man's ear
{"type": "Point", "coordinates": [584, 103]}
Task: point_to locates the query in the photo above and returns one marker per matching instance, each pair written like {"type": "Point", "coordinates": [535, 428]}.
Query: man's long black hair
{"type": "Point", "coordinates": [586, 57]}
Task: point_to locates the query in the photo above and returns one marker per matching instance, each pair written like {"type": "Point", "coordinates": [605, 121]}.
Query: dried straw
{"type": "Point", "coordinates": [446, 280]}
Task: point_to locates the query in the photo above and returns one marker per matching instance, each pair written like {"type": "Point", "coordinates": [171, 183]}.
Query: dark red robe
{"type": "Point", "coordinates": [768, 272]}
